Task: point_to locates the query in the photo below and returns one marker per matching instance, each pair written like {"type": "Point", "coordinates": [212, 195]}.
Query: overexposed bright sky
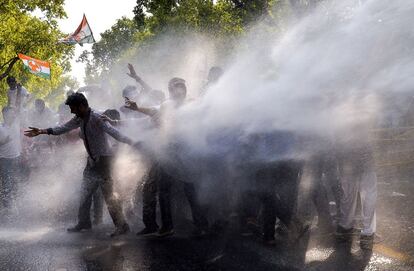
{"type": "Point", "coordinates": [101, 15]}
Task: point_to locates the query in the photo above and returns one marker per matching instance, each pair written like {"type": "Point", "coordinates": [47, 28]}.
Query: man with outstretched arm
{"type": "Point", "coordinates": [159, 179]}
{"type": "Point", "coordinates": [97, 173]}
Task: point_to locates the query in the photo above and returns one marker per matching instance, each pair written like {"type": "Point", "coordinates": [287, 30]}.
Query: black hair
{"type": "Point", "coordinates": [113, 114]}
{"type": "Point", "coordinates": [77, 99]}
{"type": "Point", "coordinates": [10, 79]}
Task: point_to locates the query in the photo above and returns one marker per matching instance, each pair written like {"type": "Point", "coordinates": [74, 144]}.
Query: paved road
{"type": "Point", "coordinates": [46, 248]}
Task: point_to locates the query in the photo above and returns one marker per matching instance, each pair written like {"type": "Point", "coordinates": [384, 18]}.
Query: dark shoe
{"type": "Point", "coordinates": [164, 232]}
{"type": "Point", "coordinates": [124, 229]}
{"type": "Point", "coordinates": [344, 235]}
{"type": "Point", "coordinates": [366, 242]}
{"type": "Point", "coordinates": [147, 232]}
{"type": "Point", "coordinates": [79, 228]}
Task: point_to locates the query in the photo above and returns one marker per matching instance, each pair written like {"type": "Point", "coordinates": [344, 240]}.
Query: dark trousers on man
{"type": "Point", "coordinates": [97, 175]}
{"type": "Point", "coordinates": [97, 200]}
{"type": "Point", "coordinates": [277, 190]}
{"type": "Point", "coordinates": [325, 165]}
{"type": "Point", "coordinates": [9, 178]}
{"type": "Point", "coordinates": [149, 197]}
{"type": "Point", "coordinates": [159, 182]}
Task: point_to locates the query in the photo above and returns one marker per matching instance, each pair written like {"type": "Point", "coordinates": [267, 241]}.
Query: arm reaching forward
{"type": "Point", "coordinates": [58, 130]}
{"type": "Point", "coordinates": [133, 106]}
{"type": "Point", "coordinates": [134, 75]}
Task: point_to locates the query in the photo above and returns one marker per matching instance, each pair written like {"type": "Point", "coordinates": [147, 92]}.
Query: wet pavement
{"type": "Point", "coordinates": [47, 246]}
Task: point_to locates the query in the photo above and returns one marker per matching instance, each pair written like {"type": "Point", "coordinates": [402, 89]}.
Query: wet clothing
{"type": "Point", "coordinates": [9, 180]}
{"type": "Point", "coordinates": [10, 140]}
{"type": "Point", "coordinates": [93, 131]}
{"type": "Point", "coordinates": [325, 177]}
{"type": "Point", "coordinates": [162, 177]}
{"type": "Point", "coordinates": [357, 180]}
{"type": "Point", "coordinates": [10, 150]}
{"type": "Point", "coordinates": [277, 190]}
{"type": "Point", "coordinates": [157, 181]}
{"type": "Point", "coordinates": [97, 174]}
{"type": "Point", "coordinates": [17, 97]}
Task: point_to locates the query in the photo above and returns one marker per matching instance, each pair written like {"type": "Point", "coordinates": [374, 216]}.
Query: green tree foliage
{"type": "Point", "coordinates": [223, 20]}
{"type": "Point", "coordinates": [23, 32]}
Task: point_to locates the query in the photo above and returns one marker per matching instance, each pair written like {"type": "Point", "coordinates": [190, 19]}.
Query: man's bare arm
{"type": "Point", "coordinates": [35, 132]}
{"type": "Point", "coordinates": [134, 75]}
{"type": "Point", "coordinates": [145, 110]}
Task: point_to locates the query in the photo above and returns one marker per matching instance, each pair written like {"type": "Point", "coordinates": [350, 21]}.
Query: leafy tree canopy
{"type": "Point", "coordinates": [23, 32]}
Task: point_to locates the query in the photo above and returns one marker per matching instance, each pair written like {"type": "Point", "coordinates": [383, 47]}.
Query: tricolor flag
{"type": "Point", "coordinates": [83, 34]}
{"type": "Point", "coordinates": [38, 67]}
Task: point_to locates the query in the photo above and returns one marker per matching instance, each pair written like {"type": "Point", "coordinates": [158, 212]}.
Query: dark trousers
{"type": "Point", "coordinates": [97, 175]}
{"type": "Point", "coordinates": [9, 178]}
{"type": "Point", "coordinates": [277, 191]}
{"type": "Point", "coordinates": [149, 197]}
{"type": "Point", "coordinates": [97, 200]}
{"type": "Point", "coordinates": [158, 182]}
{"type": "Point", "coordinates": [325, 165]}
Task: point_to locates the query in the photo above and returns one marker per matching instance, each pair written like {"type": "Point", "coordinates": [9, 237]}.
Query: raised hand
{"type": "Point", "coordinates": [132, 72]}
{"type": "Point", "coordinates": [33, 132]}
{"type": "Point", "coordinates": [131, 104]}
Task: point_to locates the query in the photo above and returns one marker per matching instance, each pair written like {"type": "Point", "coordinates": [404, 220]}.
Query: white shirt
{"type": "Point", "coordinates": [11, 135]}
{"type": "Point", "coordinates": [12, 96]}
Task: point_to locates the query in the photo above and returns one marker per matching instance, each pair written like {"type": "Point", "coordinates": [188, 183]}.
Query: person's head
{"type": "Point", "coordinates": [9, 115]}
{"type": "Point", "coordinates": [63, 112]}
{"type": "Point", "coordinates": [78, 104]}
{"type": "Point", "coordinates": [177, 89]}
{"type": "Point", "coordinates": [11, 81]}
{"type": "Point", "coordinates": [113, 114]}
{"type": "Point", "coordinates": [39, 105]}
{"type": "Point", "coordinates": [214, 74]}
{"type": "Point", "coordinates": [70, 92]}
{"type": "Point", "coordinates": [130, 92]}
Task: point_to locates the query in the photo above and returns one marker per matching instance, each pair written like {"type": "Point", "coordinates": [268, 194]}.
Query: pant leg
{"type": "Point", "coordinates": [90, 185]}
{"type": "Point", "coordinates": [97, 199]}
{"type": "Point", "coordinates": [332, 179]}
{"type": "Point", "coordinates": [349, 188]}
{"type": "Point", "coordinates": [112, 201]}
{"type": "Point", "coordinates": [149, 197]}
{"type": "Point", "coordinates": [8, 176]}
{"type": "Point", "coordinates": [197, 211]}
{"type": "Point", "coordinates": [368, 193]}
{"type": "Point", "coordinates": [320, 194]}
{"type": "Point", "coordinates": [268, 200]}
{"type": "Point", "coordinates": [287, 176]}
{"type": "Point", "coordinates": [164, 188]}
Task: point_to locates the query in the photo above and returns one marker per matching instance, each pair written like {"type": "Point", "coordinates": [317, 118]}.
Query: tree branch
{"type": "Point", "coordinates": [7, 71]}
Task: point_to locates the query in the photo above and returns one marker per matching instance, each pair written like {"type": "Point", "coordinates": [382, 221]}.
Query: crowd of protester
{"type": "Point", "coordinates": [244, 183]}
